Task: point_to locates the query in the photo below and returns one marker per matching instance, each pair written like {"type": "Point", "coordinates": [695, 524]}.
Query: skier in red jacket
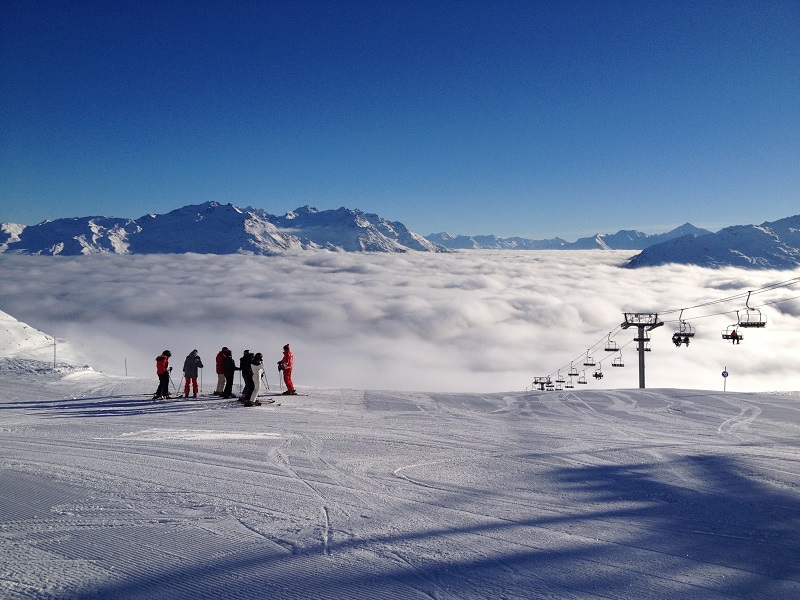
{"type": "Point", "coordinates": [286, 364]}
{"type": "Point", "coordinates": [163, 370]}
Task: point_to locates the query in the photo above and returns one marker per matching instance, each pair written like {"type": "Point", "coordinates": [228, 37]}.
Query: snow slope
{"type": "Point", "coordinates": [349, 493]}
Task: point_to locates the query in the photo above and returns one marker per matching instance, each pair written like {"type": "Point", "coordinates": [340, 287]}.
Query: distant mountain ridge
{"type": "Point", "coordinates": [622, 240]}
{"type": "Point", "coordinates": [774, 245]}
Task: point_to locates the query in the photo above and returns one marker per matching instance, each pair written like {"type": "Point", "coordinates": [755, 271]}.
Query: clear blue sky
{"type": "Point", "coordinates": [527, 118]}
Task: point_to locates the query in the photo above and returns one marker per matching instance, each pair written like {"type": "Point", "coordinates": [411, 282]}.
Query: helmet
{"type": "Point", "coordinates": [167, 353]}
{"type": "Point", "coordinates": [286, 347]}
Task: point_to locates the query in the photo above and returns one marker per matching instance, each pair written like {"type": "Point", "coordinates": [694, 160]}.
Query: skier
{"type": "Point", "coordinates": [163, 370]}
{"type": "Point", "coordinates": [286, 364]}
{"type": "Point", "coordinates": [247, 374]}
{"type": "Point", "coordinates": [190, 367]}
{"type": "Point", "coordinates": [257, 366]}
{"type": "Point", "coordinates": [734, 337]}
{"type": "Point", "coordinates": [220, 372]}
{"type": "Point", "coordinates": [229, 368]}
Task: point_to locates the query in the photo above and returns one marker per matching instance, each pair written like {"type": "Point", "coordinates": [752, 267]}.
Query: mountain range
{"type": "Point", "coordinates": [214, 228]}
{"type": "Point", "coordinates": [622, 240]}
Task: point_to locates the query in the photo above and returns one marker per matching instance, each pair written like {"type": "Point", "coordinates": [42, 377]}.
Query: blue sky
{"type": "Point", "coordinates": [536, 119]}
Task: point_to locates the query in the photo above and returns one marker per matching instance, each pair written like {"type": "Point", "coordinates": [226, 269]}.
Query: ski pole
{"type": "Point", "coordinates": [201, 380]}
{"type": "Point", "coordinates": [264, 377]}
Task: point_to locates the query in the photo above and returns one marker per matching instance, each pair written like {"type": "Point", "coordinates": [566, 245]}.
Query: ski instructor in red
{"type": "Point", "coordinates": [285, 365]}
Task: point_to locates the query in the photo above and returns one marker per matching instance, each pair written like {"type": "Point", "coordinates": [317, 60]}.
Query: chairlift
{"type": "Point", "coordinates": [647, 347]}
{"type": "Point", "coordinates": [573, 372]}
{"type": "Point", "coordinates": [569, 385]}
{"type": "Point", "coordinates": [683, 332]}
{"type": "Point", "coordinates": [588, 361]}
{"type": "Point", "coordinates": [731, 333]}
{"type": "Point", "coordinates": [598, 374]}
{"type": "Point", "coordinates": [559, 378]}
{"type": "Point", "coordinates": [752, 316]}
{"type": "Point", "coordinates": [678, 339]}
{"type": "Point", "coordinates": [617, 362]}
{"type": "Point", "coordinates": [559, 387]}
{"type": "Point", "coordinates": [611, 345]}
{"type": "Point", "coordinates": [582, 379]}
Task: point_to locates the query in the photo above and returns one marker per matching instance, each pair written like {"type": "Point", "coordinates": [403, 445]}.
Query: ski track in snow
{"type": "Point", "coordinates": [345, 493]}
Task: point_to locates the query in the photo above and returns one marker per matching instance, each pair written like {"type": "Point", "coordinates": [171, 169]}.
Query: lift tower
{"type": "Point", "coordinates": [644, 322]}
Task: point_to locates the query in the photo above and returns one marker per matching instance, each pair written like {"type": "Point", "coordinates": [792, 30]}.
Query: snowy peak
{"type": "Point", "coordinates": [351, 230]}
{"type": "Point", "coordinates": [214, 228]}
{"type": "Point", "coordinates": [773, 245]}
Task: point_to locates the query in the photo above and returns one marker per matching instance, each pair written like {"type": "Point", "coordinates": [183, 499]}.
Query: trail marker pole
{"type": "Point", "coordinates": [724, 379]}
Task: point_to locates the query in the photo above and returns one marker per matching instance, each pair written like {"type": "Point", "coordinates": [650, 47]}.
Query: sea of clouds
{"type": "Point", "coordinates": [467, 321]}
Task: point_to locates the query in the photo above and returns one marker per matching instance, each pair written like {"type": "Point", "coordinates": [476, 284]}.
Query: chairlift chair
{"type": "Point", "coordinates": [559, 378]}
{"type": "Point", "coordinates": [731, 333]}
{"type": "Point", "coordinates": [752, 316]}
{"type": "Point", "coordinates": [684, 329]}
{"type": "Point", "coordinates": [611, 345]}
{"type": "Point", "coordinates": [582, 379]}
{"type": "Point", "coordinates": [569, 385]}
{"type": "Point", "coordinates": [588, 361]}
{"type": "Point", "coordinates": [573, 372]}
{"type": "Point", "coordinates": [617, 362]}
{"type": "Point", "coordinates": [647, 347]}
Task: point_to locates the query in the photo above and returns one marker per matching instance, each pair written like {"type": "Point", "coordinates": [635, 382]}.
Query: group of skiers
{"type": "Point", "coordinates": [251, 366]}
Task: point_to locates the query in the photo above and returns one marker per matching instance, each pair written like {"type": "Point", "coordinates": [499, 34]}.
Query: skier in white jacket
{"type": "Point", "coordinates": [257, 364]}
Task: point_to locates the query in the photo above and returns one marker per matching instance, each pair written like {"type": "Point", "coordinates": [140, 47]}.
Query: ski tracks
{"type": "Point", "coordinates": [747, 414]}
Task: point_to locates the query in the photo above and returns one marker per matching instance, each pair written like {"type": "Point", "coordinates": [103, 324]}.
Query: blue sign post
{"type": "Point", "coordinates": [724, 379]}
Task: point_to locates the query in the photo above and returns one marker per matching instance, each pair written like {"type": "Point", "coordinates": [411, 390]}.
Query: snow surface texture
{"type": "Point", "coordinates": [464, 321]}
{"type": "Point", "coordinates": [347, 493]}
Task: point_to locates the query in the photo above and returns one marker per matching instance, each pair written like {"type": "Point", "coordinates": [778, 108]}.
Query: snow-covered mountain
{"type": "Point", "coordinates": [214, 228]}
{"type": "Point", "coordinates": [622, 240]}
{"type": "Point", "coordinates": [350, 230]}
{"type": "Point", "coordinates": [773, 245]}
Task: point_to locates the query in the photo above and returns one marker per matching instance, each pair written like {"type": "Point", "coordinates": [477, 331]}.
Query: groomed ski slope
{"type": "Point", "coordinates": [366, 494]}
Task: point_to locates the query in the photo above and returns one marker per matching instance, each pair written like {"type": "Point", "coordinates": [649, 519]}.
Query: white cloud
{"type": "Point", "coordinates": [470, 321]}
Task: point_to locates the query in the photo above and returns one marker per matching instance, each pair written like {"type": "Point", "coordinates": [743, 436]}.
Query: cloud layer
{"type": "Point", "coordinates": [470, 321]}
